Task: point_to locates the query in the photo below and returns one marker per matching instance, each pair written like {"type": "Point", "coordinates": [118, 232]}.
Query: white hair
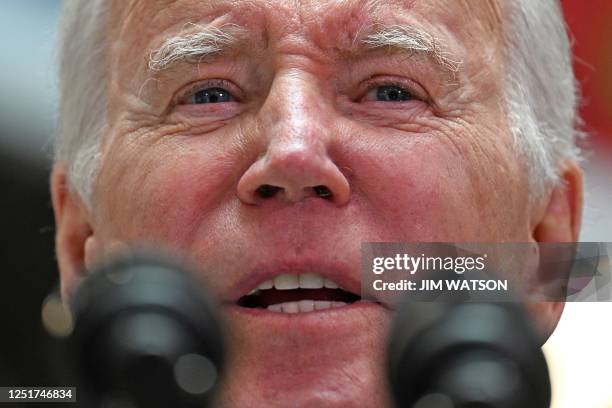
{"type": "Point", "coordinates": [83, 83]}
{"type": "Point", "coordinates": [205, 42]}
{"type": "Point", "coordinates": [541, 92]}
{"type": "Point", "coordinates": [414, 40]}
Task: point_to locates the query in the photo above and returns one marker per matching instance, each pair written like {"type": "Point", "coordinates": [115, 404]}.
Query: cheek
{"type": "Point", "coordinates": [188, 194]}
{"type": "Point", "coordinates": [420, 192]}
{"type": "Point", "coordinates": [168, 191]}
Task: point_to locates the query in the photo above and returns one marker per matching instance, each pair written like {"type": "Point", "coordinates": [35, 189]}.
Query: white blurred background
{"type": "Point", "coordinates": [579, 352]}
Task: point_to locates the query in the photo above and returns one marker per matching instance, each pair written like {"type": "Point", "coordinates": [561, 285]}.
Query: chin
{"type": "Point", "coordinates": [332, 357]}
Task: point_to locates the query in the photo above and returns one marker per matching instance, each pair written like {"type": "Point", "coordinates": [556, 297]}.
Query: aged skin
{"type": "Point", "coordinates": [306, 110]}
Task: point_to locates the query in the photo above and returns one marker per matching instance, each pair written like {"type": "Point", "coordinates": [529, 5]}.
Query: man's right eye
{"type": "Point", "coordinates": [210, 95]}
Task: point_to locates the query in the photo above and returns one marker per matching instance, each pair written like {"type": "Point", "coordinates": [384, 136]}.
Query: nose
{"type": "Point", "coordinates": [296, 163]}
{"type": "Point", "coordinates": [293, 173]}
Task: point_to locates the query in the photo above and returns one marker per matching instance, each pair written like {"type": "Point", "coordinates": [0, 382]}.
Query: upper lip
{"type": "Point", "coordinates": [346, 277]}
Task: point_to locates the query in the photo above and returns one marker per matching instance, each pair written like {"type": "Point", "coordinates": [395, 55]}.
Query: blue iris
{"type": "Point", "coordinates": [212, 95]}
{"type": "Point", "coordinates": [390, 93]}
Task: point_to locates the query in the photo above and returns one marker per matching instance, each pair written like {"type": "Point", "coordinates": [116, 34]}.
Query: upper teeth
{"type": "Point", "coordinates": [301, 281]}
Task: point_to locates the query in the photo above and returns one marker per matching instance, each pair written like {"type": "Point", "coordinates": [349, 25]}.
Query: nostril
{"type": "Point", "coordinates": [267, 191]}
{"type": "Point", "coordinates": [323, 192]}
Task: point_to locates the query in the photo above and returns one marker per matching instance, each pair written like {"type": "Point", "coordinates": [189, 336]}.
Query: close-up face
{"type": "Point", "coordinates": [267, 140]}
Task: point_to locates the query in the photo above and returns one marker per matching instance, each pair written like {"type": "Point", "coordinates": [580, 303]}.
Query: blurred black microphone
{"type": "Point", "coordinates": [466, 355]}
{"type": "Point", "coordinates": [145, 335]}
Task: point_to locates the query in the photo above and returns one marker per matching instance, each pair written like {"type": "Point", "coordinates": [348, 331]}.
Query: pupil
{"type": "Point", "coordinates": [212, 95]}
{"type": "Point", "coordinates": [392, 93]}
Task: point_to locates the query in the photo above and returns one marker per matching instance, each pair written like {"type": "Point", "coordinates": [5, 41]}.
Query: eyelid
{"type": "Point", "coordinates": [189, 90]}
{"type": "Point", "coordinates": [417, 91]}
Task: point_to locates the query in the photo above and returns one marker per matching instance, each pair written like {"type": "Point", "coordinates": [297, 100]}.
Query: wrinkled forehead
{"type": "Point", "coordinates": [329, 23]}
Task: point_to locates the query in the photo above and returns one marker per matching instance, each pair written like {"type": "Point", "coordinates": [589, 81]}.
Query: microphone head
{"type": "Point", "coordinates": [466, 355]}
{"type": "Point", "coordinates": [146, 334]}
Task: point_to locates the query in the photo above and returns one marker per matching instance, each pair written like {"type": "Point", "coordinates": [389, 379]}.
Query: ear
{"type": "Point", "coordinates": [558, 221]}
{"type": "Point", "coordinates": [75, 242]}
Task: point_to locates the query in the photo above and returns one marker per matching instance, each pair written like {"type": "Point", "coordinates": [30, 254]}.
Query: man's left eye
{"type": "Point", "coordinates": [211, 95]}
{"type": "Point", "coordinates": [389, 93]}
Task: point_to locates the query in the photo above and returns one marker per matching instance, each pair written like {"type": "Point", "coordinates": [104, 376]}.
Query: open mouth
{"type": "Point", "coordinates": [302, 293]}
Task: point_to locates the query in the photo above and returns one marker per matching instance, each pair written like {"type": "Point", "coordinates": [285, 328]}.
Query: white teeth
{"type": "Point", "coordinates": [290, 307]}
{"type": "Point", "coordinates": [304, 306]}
{"type": "Point", "coordinates": [266, 285]}
{"type": "Point", "coordinates": [286, 282]}
{"type": "Point", "coordinates": [276, 308]}
{"type": "Point", "coordinates": [311, 281]}
{"type": "Point", "coordinates": [330, 284]}
{"type": "Point", "coordinates": [322, 304]}
{"type": "Point", "coordinates": [303, 281]}
{"type": "Point", "coordinates": [297, 281]}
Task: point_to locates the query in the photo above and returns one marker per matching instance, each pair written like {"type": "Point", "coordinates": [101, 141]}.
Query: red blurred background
{"type": "Point", "coordinates": [590, 24]}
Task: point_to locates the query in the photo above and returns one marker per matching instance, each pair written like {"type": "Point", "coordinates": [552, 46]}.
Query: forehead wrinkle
{"type": "Point", "coordinates": [351, 27]}
{"type": "Point", "coordinates": [489, 14]}
{"type": "Point", "coordinates": [151, 18]}
{"type": "Point", "coordinates": [159, 28]}
{"type": "Point", "coordinates": [335, 24]}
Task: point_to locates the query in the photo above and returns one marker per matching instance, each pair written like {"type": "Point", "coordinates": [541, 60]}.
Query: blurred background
{"type": "Point", "coordinates": [579, 353]}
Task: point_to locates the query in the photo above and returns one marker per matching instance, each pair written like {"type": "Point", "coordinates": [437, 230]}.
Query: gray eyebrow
{"type": "Point", "coordinates": [205, 42]}
{"type": "Point", "coordinates": [413, 39]}
{"type": "Point", "coordinates": [208, 41]}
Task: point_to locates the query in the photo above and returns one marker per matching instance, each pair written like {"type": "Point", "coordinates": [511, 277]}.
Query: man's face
{"type": "Point", "coordinates": [405, 147]}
